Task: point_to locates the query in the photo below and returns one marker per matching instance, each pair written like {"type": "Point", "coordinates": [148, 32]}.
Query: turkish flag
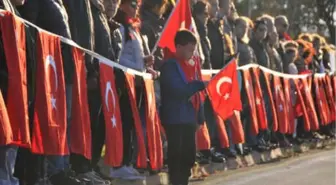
{"type": "Point", "coordinates": [153, 128]}
{"type": "Point", "coordinates": [321, 101]}
{"type": "Point", "coordinates": [80, 130]}
{"type": "Point", "coordinates": [289, 92]}
{"type": "Point", "coordinates": [330, 97]}
{"type": "Point", "coordinates": [141, 157]}
{"type": "Point", "coordinates": [309, 103]}
{"type": "Point", "coordinates": [6, 134]}
{"type": "Point", "coordinates": [281, 105]}
{"type": "Point", "coordinates": [110, 103]}
{"type": "Point", "coordinates": [223, 91]}
{"type": "Point", "coordinates": [236, 125]}
{"type": "Point", "coordinates": [272, 102]}
{"type": "Point", "coordinates": [180, 18]}
{"type": "Point", "coordinates": [252, 105]}
{"type": "Point", "coordinates": [14, 41]}
{"type": "Point", "coordinates": [259, 100]}
{"type": "Point", "coordinates": [333, 78]}
{"type": "Point", "coordinates": [301, 105]}
{"type": "Point", "coordinates": [202, 138]}
{"type": "Point", "coordinates": [49, 130]}
{"type": "Point", "coordinates": [222, 134]}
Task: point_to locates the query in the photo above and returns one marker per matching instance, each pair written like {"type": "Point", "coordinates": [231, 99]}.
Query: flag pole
{"type": "Point", "coordinates": [165, 26]}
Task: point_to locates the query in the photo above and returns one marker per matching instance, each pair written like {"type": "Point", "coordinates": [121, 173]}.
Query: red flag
{"type": "Point", "coordinates": [333, 77]}
{"type": "Point", "coordinates": [110, 102]}
{"type": "Point", "coordinates": [80, 130]}
{"type": "Point", "coordinates": [6, 134]}
{"type": "Point", "coordinates": [250, 96]}
{"type": "Point", "coordinates": [330, 97]}
{"type": "Point", "coordinates": [141, 157]}
{"type": "Point", "coordinates": [280, 105]}
{"type": "Point", "coordinates": [236, 125]}
{"type": "Point", "coordinates": [321, 101]}
{"type": "Point", "coordinates": [259, 100]}
{"type": "Point", "coordinates": [301, 105]}
{"type": "Point", "coordinates": [179, 18]}
{"type": "Point", "coordinates": [223, 91]}
{"type": "Point", "coordinates": [153, 128]}
{"type": "Point", "coordinates": [222, 134]}
{"type": "Point", "coordinates": [14, 41]}
{"type": "Point", "coordinates": [203, 138]}
{"type": "Point", "coordinates": [309, 103]}
{"type": "Point", "coordinates": [270, 95]}
{"type": "Point", "coordinates": [289, 105]}
{"type": "Point", "coordinates": [49, 132]}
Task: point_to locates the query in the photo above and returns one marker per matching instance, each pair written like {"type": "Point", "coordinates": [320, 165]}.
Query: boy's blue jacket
{"type": "Point", "coordinates": [176, 92]}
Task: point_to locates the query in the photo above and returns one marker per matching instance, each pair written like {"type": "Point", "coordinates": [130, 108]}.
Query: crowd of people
{"type": "Point", "coordinates": [126, 32]}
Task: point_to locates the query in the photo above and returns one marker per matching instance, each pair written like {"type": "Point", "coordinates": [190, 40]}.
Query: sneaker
{"type": "Point", "coordinates": [63, 178]}
{"type": "Point", "coordinates": [126, 173]}
{"type": "Point", "coordinates": [132, 170]}
{"type": "Point", "coordinates": [94, 178]}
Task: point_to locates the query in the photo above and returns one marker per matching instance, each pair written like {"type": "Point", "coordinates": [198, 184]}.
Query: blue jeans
{"type": "Point", "coordinates": [229, 133]}
{"type": "Point", "coordinates": [56, 163]}
{"type": "Point", "coordinates": [7, 164]}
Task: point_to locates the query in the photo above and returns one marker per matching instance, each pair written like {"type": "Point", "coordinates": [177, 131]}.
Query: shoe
{"type": "Point", "coordinates": [201, 159]}
{"type": "Point", "coordinates": [125, 173]}
{"type": "Point", "coordinates": [133, 170]}
{"type": "Point", "coordinates": [44, 181]}
{"type": "Point", "coordinates": [217, 157]}
{"type": "Point", "coordinates": [229, 154]}
{"type": "Point", "coordinates": [285, 144]}
{"type": "Point", "coordinates": [259, 148]}
{"type": "Point", "coordinates": [63, 178]}
{"type": "Point", "coordinates": [101, 175]}
{"type": "Point", "coordinates": [94, 178]}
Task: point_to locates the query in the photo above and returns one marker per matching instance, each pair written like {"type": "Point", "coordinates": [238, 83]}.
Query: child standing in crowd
{"type": "Point", "coordinates": [181, 107]}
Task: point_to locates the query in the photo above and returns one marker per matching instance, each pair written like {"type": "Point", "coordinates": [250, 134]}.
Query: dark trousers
{"type": "Point", "coordinates": [181, 151]}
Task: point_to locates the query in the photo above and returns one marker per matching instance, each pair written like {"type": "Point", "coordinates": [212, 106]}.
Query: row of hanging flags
{"type": "Point", "coordinates": [290, 97]}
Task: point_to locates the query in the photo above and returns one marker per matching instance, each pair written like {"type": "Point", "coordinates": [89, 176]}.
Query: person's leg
{"type": "Point", "coordinates": [174, 136]}
{"type": "Point", "coordinates": [188, 152]}
{"type": "Point", "coordinates": [7, 164]}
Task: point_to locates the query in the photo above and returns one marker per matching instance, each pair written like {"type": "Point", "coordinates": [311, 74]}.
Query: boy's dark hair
{"type": "Point", "coordinates": [184, 37]}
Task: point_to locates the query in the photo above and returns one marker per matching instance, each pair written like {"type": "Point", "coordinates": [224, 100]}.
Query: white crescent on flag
{"type": "Point", "coordinates": [50, 61]}
{"type": "Point", "coordinates": [222, 80]}
{"type": "Point", "coordinates": [108, 90]}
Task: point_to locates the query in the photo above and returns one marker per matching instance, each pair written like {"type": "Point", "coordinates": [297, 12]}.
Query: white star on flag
{"type": "Point", "coordinates": [227, 96]}
{"type": "Point", "coordinates": [258, 102]}
{"type": "Point", "coordinates": [114, 121]}
{"type": "Point", "coordinates": [53, 102]}
{"type": "Point", "coordinates": [281, 108]}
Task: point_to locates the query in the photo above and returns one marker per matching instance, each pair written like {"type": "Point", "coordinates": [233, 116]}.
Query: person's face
{"type": "Point", "coordinates": [241, 29]}
{"type": "Point", "coordinates": [282, 26]}
{"type": "Point", "coordinates": [214, 8]}
{"type": "Point", "coordinates": [261, 32]}
{"type": "Point", "coordinates": [204, 16]}
{"type": "Point", "coordinates": [111, 7]}
{"type": "Point", "coordinates": [131, 8]}
{"type": "Point", "coordinates": [290, 56]}
{"type": "Point", "coordinates": [225, 9]}
{"type": "Point", "coordinates": [187, 51]}
{"type": "Point", "coordinates": [273, 38]}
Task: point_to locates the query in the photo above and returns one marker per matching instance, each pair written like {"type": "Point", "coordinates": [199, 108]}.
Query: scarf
{"type": "Point", "coordinates": [190, 73]}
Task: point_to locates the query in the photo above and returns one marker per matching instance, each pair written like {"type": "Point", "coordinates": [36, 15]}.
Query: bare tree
{"type": "Point", "coordinates": [326, 11]}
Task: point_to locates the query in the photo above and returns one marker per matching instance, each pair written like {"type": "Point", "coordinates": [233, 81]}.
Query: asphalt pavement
{"type": "Point", "coordinates": [311, 169]}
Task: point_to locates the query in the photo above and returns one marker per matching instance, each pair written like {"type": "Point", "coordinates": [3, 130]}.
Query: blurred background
{"type": "Point", "coordinates": [316, 16]}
